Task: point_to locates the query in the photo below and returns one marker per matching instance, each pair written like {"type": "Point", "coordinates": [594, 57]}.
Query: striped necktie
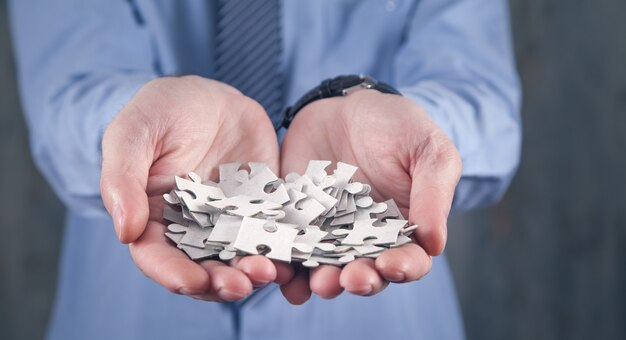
{"type": "Point", "coordinates": [248, 51]}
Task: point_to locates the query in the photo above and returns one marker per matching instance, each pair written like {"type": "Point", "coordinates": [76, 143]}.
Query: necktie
{"type": "Point", "coordinates": [248, 51]}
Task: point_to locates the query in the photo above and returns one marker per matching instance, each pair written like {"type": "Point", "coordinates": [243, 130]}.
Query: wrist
{"type": "Point", "coordinates": [341, 86]}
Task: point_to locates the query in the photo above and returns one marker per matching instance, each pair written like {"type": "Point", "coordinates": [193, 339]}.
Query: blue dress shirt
{"type": "Point", "coordinates": [80, 61]}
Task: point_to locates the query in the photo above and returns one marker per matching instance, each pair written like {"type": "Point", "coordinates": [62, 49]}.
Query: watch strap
{"type": "Point", "coordinates": [336, 87]}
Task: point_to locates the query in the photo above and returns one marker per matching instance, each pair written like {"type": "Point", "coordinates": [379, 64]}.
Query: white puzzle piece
{"type": "Point", "coordinates": [226, 229]}
{"type": "Point", "coordinates": [244, 206]}
{"type": "Point", "coordinates": [301, 210]}
{"type": "Point", "coordinates": [280, 240]}
{"type": "Point", "coordinates": [255, 186]}
{"type": "Point", "coordinates": [364, 229]}
{"type": "Point", "coordinates": [313, 218]}
{"type": "Point", "coordinates": [195, 235]}
{"type": "Point", "coordinates": [197, 193]}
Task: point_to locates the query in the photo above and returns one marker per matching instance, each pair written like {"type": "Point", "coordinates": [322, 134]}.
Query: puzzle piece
{"type": "Point", "coordinates": [343, 220]}
{"type": "Point", "coordinates": [186, 213]}
{"type": "Point", "coordinates": [194, 253]}
{"type": "Point", "coordinates": [329, 229]}
{"type": "Point", "coordinates": [257, 168]}
{"type": "Point", "coordinates": [316, 171]}
{"type": "Point", "coordinates": [392, 211]}
{"type": "Point", "coordinates": [343, 174]}
{"type": "Point", "coordinates": [366, 213]}
{"type": "Point", "coordinates": [349, 206]}
{"type": "Point", "coordinates": [172, 215]}
{"type": "Point", "coordinates": [226, 229]}
{"type": "Point", "coordinates": [195, 235]}
{"type": "Point", "coordinates": [232, 172]}
{"type": "Point", "coordinates": [292, 182]}
{"type": "Point", "coordinates": [364, 230]}
{"type": "Point", "coordinates": [245, 206]}
{"type": "Point", "coordinates": [209, 250]}
{"type": "Point", "coordinates": [342, 203]}
{"type": "Point", "coordinates": [308, 187]}
{"type": "Point", "coordinates": [313, 237]}
{"type": "Point", "coordinates": [204, 220]}
{"type": "Point", "coordinates": [348, 256]}
{"type": "Point", "coordinates": [301, 211]}
{"type": "Point", "coordinates": [194, 194]}
{"type": "Point", "coordinates": [253, 235]}
{"type": "Point", "coordinates": [366, 202]}
{"type": "Point", "coordinates": [228, 253]}
{"type": "Point", "coordinates": [323, 219]}
{"type": "Point", "coordinates": [409, 229]}
{"type": "Point", "coordinates": [231, 177]}
{"type": "Point", "coordinates": [254, 186]}
{"type": "Point", "coordinates": [272, 214]}
{"type": "Point", "coordinates": [354, 188]}
{"type": "Point", "coordinates": [366, 248]}
{"type": "Point", "coordinates": [402, 240]}
{"type": "Point", "coordinates": [171, 198]}
{"type": "Point", "coordinates": [174, 237]}
{"type": "Point", "coordinates": [315, 260]}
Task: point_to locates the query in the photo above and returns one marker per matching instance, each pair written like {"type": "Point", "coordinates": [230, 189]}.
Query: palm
{"type": "Point", "coordinates": [192, 125]}
{"type": "Point", "coordinates": [397, 148]}
{"type": "Point", "coordinates": [358, 137]}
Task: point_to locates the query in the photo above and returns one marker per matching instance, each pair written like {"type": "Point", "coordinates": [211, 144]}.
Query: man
{"type": "Point", "coordinates": [111, 126]}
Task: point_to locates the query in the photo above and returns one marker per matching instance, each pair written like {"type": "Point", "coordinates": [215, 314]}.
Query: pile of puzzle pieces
{"type": "Point", "coordinates": [315, 218]}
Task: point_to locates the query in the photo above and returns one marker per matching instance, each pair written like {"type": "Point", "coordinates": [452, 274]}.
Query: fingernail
{"type": "Point", "coordinates": [396, 276]}
{"type": "Point", "coordinates": [259, 284]}
{"type": "Point", "coordinates": [363, 290]}
{"type": "Point", "coordinates": [228, 295]}
{"type": "Point", "coordinates": [118, 219]}
{"type": "Point", "coordinates": [184, 291]}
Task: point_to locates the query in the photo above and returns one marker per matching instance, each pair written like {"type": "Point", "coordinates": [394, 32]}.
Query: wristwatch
{"type": "Point", "coordinates": [336, 87]}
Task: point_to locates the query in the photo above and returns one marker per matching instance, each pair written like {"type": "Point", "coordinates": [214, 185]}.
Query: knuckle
{"type": "Point", "coordinates": [438, 151]}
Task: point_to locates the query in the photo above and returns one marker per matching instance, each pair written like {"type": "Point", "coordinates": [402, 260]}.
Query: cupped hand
{"type": "Point", "coordinates": [170, 127]}
{"type": "Point", "coordinates": [403, 155]}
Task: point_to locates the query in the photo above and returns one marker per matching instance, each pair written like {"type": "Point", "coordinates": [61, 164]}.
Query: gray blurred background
{"type": "Point", "coordinates": [547, 263]}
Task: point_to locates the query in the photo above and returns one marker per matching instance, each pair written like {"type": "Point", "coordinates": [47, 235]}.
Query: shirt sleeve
{"type": "Point", "coordinates": [456, 61]}
{"type": "Point", "coordinates": [79, 62]}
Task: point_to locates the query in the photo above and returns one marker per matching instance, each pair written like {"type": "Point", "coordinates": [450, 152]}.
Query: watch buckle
{"type": "Point", "coordinates": [367, 83]}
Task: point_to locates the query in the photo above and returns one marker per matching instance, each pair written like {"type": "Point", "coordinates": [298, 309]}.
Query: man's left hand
{"type": "Point", "coordinates": [403, 155]}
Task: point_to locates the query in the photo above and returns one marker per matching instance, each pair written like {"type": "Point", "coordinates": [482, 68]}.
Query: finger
{"type": "Point", "coordinates": [293, 158]}
{"type": "Point", "coordinates": [296, 152]}
{"type": "Point", "coordinates": [297, 290]}
{"type": "Point", "coordinates": [227, 283]}
{"type": "Point", "coordinates": [325, 281]}
{"type": "Point", "coordinates": [360, 277]}
{"type": "Point", "coordinates": [156, 207]}
{"type": "Point", "coordinates": [403, 264]}
{"type": "Point", "coordinates": [434, 178]}
{"type": "Point", "coordinates": [284, 272]}
{"type": "Point", "coordinates": [259, 269]}
{"type": "Point", "coordinates": [127, 155]}
{"type": "Point", "coordinates": [167, 265]}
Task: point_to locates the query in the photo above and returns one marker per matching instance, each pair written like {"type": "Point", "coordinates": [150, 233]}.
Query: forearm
{"type": "Point", "coordinates": [66, 135]}
{"type": "Point", "coordinates": [457, 64]}
{"type": "Point", "coordinates": [78, 65]}
{"type": "Point", "coordinates": [485, 129]}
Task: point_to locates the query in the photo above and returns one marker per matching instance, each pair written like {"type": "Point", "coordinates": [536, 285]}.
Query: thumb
{"type": "Point", "coordinates": [127, 155]}
{"type": "Point", "coordinates": [434, 179]}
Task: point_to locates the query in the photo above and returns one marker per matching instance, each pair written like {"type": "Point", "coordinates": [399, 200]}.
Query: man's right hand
{"type": "Point", "coordinates": [173, 126]}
